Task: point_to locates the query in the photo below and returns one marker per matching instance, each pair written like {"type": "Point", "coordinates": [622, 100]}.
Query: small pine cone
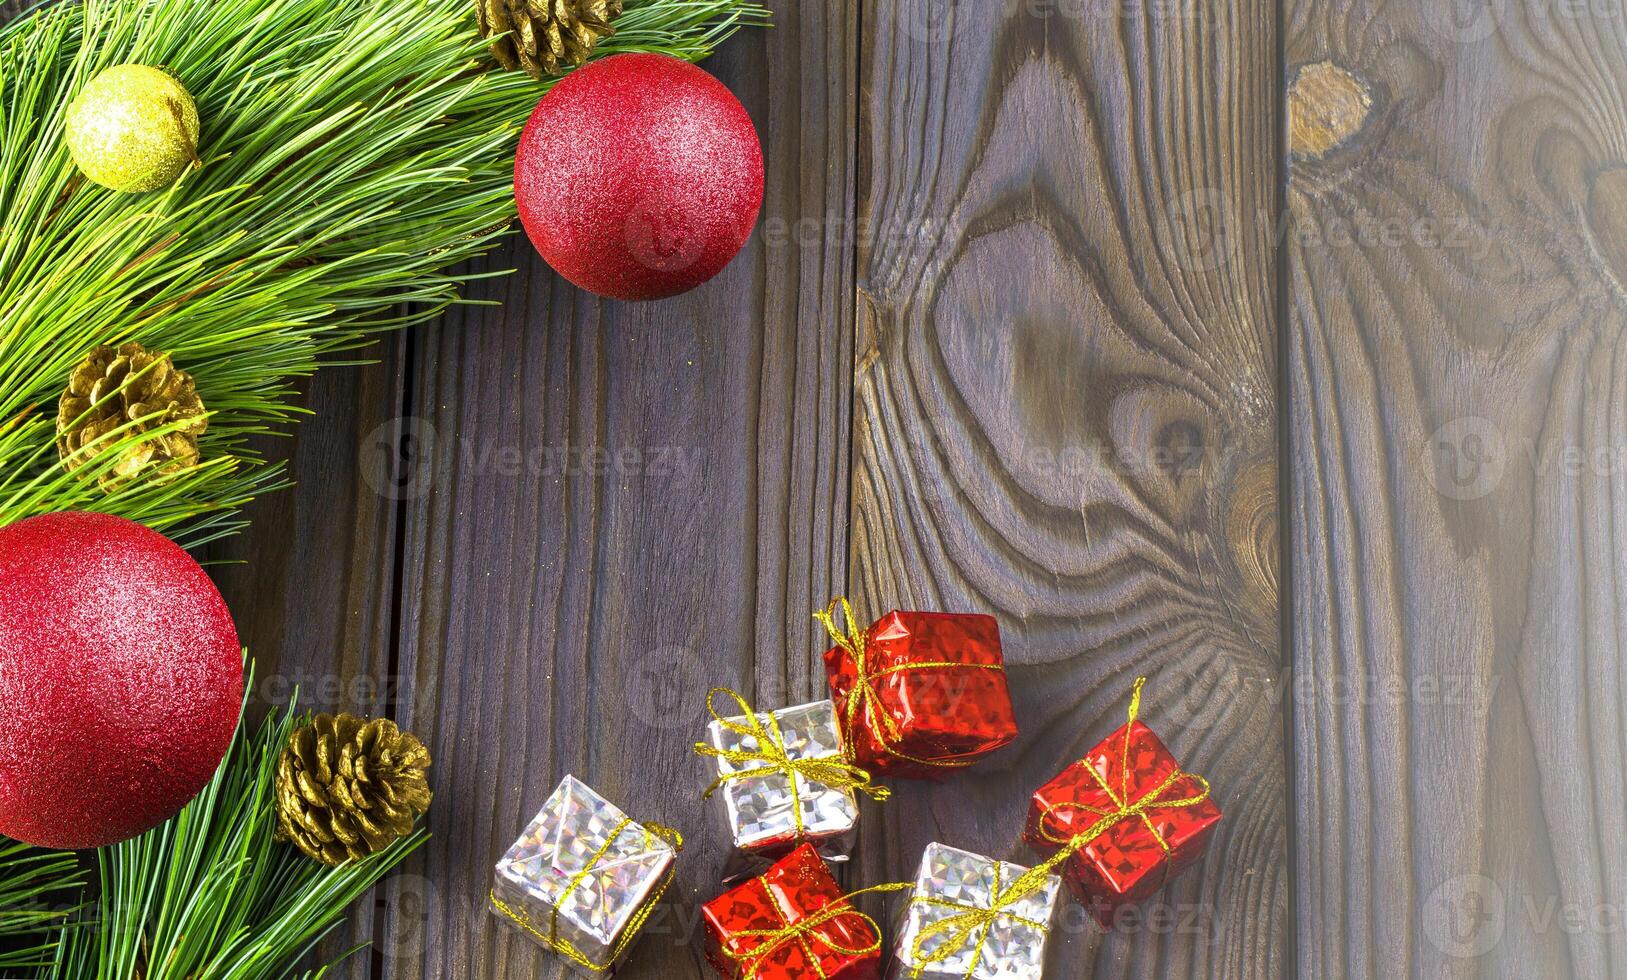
{"type": "Point", "coordinates": [546, 37]}
{"type": "Point", "coordinates": [348, 787]}
{"type": "Point", "coordinates": [136, 388]}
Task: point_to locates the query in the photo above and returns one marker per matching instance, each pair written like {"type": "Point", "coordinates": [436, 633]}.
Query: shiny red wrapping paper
{"type": "Point", "coordinates": [938, 698]}
{"type": "Point", "coordinates": [1126, 863]}
{"type": "Point", "coordinates": [797, 887]}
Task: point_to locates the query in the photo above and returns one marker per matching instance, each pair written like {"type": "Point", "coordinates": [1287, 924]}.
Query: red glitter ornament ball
{"type": "Point", "coordinates": [639, 177]}
{"type": "Point", "coordinates": [120, 675]}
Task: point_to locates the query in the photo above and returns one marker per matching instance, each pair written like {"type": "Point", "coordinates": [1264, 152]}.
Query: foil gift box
{"type": "Point", "coordinates": [790, 923]}
{"type": "Point", "coordinates": [1129, 814]}
{"type": "Point", "coordinates": [771, 808]}
{"type": "Point", "coordinates": [920, 694]}
{"type": "Point", "coordinates": [583, 878]}
{"type": "Point", "coordinates": [975, 918]}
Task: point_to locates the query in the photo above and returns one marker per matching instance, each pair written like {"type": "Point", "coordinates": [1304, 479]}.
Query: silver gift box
{"type": "Point", "coordinates": [1014, 946]}
{"type": "Point", "coordinates": [535, 876]}
{"type": "Point", "coordinates": [761, 811]}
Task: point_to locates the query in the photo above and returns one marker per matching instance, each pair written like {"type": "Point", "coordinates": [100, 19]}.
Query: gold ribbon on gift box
{"type": "Point", "coordinates": [804, 932]}
{"type": "Point", "coordinates": [564, 947]}
{"type": "Point", "coordinates": [971, 925]}
{"type": "Point", "coordinates": [970, 920]}
{"type": "Point", "coordinates": [1123, 807]}
{"type": "Point", "coordinates": [864, 697]}
{"type": "Point", "coordinates": [772, 756]}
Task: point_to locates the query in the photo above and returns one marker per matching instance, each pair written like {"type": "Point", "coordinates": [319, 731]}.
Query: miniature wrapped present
{"type": "Point", "coordinates": [790, 923]}
{"type": "Point", "coordinates": [1124, 819]}
{"type": "Point", "coordinates": [975, 918]}
{"type": "Point", "coordinates": [783, 779]}
{"type": "Point", "coordinates": [584, 877]}
{"type": "Point", "coordinates": [918, 693]}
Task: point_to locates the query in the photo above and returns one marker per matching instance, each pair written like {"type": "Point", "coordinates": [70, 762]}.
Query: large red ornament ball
{"type": "Point", "coordinates": [639, 177]}
{"type": "Point", "coordinates": [121, 680]}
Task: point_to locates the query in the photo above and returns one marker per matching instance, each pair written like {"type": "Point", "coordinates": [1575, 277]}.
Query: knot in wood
{"type": "Point", "coordinates": [1327, 105]}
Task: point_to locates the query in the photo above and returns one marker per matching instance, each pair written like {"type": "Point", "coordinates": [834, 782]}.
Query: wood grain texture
{"type": "Point", "coordinates": [1456, 400]}
{"type": "Point", "coordinates": [311, 581]}
{"type": "Point", "coordinates": [1066, 415]}
{"type": "Point", "coordinates": [630, 504]}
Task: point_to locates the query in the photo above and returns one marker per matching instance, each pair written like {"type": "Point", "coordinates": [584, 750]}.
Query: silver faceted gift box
{"type": "Point", "coordinates": [577, 879]}
{"type": "Point", "coordinates": [938, 938]}
{"type": "Point", "coordinates": [762, 810]}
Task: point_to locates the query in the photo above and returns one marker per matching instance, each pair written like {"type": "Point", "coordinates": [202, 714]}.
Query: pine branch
{"type": "Point", "coordinates": [354, 153]}
{"type": "Point", "coordinates": [211, 893]}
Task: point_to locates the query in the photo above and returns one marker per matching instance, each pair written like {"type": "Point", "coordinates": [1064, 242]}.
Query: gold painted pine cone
{"type": "Point", "coordinates": [116, 387]}
{"type": "Point", "coordinates": [546, 37]}
{"type": "Point", "coordinates": [348, 787]}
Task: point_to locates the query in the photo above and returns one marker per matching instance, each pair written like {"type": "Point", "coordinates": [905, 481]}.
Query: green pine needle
{"type": "Point", "coordinates": [34, 884]}
{"type": "Point", "coordinates": [212, 893]}
{"type": "Point", "coordinates": [354, 153]}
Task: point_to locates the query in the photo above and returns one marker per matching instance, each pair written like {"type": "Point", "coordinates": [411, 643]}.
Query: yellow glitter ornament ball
{"type": "Point", "coordinates": [133, 128]}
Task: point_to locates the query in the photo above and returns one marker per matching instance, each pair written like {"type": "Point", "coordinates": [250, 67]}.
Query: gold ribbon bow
{"type": "Point", "coordinates": [771, 756]}
{"type": "Point", "coordinates": [864, 695]}
{"type": "Point", "coordinates": [805, 930]}
{"type": "Point", "coordinates": [970, 920]}
{"type": "Point", "coordinates": [1123, 807]}
{"type": "Point", "coordinates": [564, 947]}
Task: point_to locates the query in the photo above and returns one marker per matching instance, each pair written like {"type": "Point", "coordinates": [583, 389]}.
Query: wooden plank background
{"type": "Point", "coordinates": [1008, 340]}
{"type": "Point", "coordinates": [1458, 200]}
{"type": "Point", "coordinates": [1065, 414]}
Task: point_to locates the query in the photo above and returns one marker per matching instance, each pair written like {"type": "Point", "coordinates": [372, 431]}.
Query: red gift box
{"type": "Point", "coordinates": [1131, 817]}
{"type": "Point", "coordinates": [919, 693]}
{"type": "Point", "coordinates": [792, 922]}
